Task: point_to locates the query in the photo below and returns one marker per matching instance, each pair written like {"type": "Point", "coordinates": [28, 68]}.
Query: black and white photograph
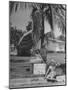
{"type": "Point", "coordinates": [37, 44]}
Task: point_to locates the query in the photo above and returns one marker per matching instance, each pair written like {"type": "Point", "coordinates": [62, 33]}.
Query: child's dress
{"type": "Point", "coordinates": [52, 72]}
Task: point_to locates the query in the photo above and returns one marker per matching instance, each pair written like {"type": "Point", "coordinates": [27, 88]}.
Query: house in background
{"type": "Point", "coordinates": [56, 45]}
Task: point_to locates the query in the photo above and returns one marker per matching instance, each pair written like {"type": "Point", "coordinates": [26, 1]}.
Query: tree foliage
{"type": "Point", "coordinates": [54, 13]}
{"type": "Point", "coordinates": [15, 36]}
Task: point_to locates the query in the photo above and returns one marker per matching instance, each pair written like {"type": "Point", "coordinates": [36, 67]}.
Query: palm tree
{"type": "Point", "coordinates": [53, 13]}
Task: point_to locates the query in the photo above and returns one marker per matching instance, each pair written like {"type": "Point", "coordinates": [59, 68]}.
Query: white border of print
{"type": "Point", "coordinates": [4, 44]}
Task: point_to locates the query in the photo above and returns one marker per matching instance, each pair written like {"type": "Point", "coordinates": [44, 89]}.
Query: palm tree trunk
{"type": "Point", "coordinates": [53, 19]}
{"type": "Point", "coordinates": [42, 34]}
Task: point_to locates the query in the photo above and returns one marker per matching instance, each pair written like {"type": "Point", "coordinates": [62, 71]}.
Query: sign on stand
{"type": "Point", "coordinates": [39, 69]}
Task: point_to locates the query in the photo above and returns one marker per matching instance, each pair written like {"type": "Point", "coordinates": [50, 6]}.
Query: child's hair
{"type": "Point", "coordinates": [53, 63]}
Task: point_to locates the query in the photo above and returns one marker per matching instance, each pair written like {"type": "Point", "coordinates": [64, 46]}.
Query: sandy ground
{"type": "Point", "coordinates": [58, 57]}
{"type": "Point", "coordinates": [32, 82]}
